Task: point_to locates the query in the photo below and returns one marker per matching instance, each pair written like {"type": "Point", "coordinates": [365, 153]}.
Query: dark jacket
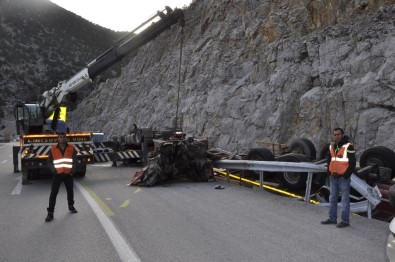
{"type": "Point", "coordinates": [50, 160]}
{"type": "Point", "coordinates": [350, 153]}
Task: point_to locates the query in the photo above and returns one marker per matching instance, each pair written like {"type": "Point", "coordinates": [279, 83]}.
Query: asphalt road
{"type": "Point", "coordinates": [180, 221]}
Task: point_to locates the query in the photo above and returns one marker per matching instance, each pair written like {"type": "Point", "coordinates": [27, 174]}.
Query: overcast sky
{"type": "Point", "coordinates": [118, 15]}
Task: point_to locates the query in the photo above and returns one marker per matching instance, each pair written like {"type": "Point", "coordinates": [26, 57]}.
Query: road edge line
{"type": "Point", "coordinates": [18, 188]}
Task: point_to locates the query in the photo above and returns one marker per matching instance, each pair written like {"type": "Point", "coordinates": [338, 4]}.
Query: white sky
{"type": "Point", "coordinates": [118, 15]}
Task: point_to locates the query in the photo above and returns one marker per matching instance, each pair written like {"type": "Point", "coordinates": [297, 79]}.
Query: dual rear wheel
{"type": "Point", "coordinates": [302, 150]}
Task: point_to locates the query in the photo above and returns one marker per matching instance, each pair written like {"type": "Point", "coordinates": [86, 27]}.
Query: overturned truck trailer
{"type": "Point", "coordinates": [179, 158]}
{"type": "Point", "coordinates": [377, 164]}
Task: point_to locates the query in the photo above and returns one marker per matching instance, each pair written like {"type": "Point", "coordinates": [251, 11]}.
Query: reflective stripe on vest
{"type": "Point", "coordinates": [63, 163]}
{"type": "Point", "coordinates": [339, 160]}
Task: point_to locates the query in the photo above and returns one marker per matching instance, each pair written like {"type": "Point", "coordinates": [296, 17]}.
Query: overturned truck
{"type": "Point", "coordinates": [178, 158]}
{"type": "Point", "coordinates": [174, 154]}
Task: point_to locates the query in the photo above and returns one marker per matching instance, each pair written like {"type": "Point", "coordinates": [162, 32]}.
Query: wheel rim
{"type": "Point", "coordinates": [298, 150]}
{"type": "Point", "coordinates": [375, 161]}
{"type": "Point", "coordinates": [292, 178]}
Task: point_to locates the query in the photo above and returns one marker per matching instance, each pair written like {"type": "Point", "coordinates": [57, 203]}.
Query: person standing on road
{"type": "Point", "coordinates": [61, 158]}
{"type": "Point", "coordinates": [341, 164]}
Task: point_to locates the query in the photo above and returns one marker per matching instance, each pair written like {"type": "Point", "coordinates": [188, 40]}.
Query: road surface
{"type": "Point", "coordinates": [179, 221]}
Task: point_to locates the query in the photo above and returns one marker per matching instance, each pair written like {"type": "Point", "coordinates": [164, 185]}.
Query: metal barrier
{"type": "Point", "coordinates": [372, 194]}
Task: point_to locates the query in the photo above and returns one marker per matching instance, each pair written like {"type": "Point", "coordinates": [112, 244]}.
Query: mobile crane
{"type": "Point", "coordinates": [37, 123]}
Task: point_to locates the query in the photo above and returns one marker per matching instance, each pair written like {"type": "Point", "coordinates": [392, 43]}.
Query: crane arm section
{"type": "Point", "coordinates": [125, 46]}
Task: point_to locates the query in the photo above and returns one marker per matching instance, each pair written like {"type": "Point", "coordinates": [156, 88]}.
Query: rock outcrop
{"type": "Point", "coordinates": [261, 70]}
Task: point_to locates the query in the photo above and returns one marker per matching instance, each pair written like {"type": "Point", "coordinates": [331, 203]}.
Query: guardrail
{"type": "Point", "coordinates": [372, 195]}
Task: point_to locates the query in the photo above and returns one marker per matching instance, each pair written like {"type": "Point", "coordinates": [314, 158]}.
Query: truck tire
{"type": "Point", "coordinates": [25, 177]}
{"type": "Point", "coordinates": [378, 155]}
{"type": "Point", "coordinates": [305, 147]}
{"type": "Point", "coordinates": [324, 152]}
{"type": "Point", "coordinates": [260, 154]}
{"type": "Point", "coordinates": [293, 180]}
{"type": "Point", "coordinates": [81, 172]}
{"type": "Point", "coordinates": [33, 174]}
{"type": "Point", "coordinates": [391, 195]}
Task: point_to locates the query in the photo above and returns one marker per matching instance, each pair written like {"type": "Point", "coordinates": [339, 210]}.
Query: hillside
{"type": "Point", "coordinates": [42, 44]}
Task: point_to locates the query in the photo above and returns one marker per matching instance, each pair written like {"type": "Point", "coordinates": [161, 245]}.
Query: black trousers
{"type": "Point", "coordinates": [57, 180]}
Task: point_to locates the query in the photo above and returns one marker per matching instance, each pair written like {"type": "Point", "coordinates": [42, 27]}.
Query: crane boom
{"type": "Point", "coordinates": [52, 99]}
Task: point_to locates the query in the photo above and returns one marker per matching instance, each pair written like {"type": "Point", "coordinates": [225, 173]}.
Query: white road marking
{"type": "Point", "coordinates": [101, 165]}
{"type": "Point", "coordinates": [124, 250]}
{"type": "Point", "coordinates": [4, 161]}
{"type": "Point", "coordinates": [18, 188]}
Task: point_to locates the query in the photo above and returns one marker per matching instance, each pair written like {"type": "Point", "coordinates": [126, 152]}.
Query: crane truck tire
{"type": "Point", "coordinates": [259, 154]}
{"type": "Point", "coordinates": [305, 147]}
{"type": "Point", "coordinates": [81, 172]}
{"type": "Point", "coordinates": [293, 180]}
{"type": "Point", "coordinates": [380, 156]}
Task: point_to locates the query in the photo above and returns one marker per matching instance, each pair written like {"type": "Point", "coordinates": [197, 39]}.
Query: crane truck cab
{"type": "Point", "coordinates": [34, 150]}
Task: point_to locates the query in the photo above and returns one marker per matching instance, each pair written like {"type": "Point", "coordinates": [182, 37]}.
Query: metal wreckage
{"type": "Point", "coordinates": [175, 158]}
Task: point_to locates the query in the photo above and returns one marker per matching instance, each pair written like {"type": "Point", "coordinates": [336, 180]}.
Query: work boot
{"type": "Point", "coordinates": [72, 209]}
{"type": "Point", "coordinates": [49, 217]}
{"type": "Point", "coordinates": [342, 224]}
{"type": "Point", "coordinates": [328, 222]}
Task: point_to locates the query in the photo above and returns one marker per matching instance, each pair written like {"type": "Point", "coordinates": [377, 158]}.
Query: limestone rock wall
{"type": "Point", "coordinates": [261, 70]}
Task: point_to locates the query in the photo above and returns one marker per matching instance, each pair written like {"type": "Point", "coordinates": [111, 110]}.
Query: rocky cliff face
{"type": "Point", "coordinates": [261, 70]}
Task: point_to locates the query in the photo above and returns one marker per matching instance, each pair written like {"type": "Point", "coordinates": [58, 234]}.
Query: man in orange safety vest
{"type": "Point", "coordinates": [61, 158]}
{"type": "Point", "coordinates": [341, 164]}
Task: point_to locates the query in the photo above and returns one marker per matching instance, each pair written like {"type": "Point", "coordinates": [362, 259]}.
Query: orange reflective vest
{"type": "Point", "coordinates": [339, 160]}
{"type": "Point", "coordinates": [63, 163]}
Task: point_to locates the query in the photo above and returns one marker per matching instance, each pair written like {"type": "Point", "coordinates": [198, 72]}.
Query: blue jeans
{"type": "Point", "coordinates": [343, 185]}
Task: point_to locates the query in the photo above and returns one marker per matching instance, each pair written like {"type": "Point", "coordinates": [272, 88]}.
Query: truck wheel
{"type": "Point", "coordinates": [378, 155]}
{"type": "Point", "coordinates": [392, 195]}
{"type": "Point", "coordinates": [324, 152]}
{"type": "Point", "coordinates": [81, 172]}
{"type": "Point", "coordinates": [293, 180]}
{"type": "Point", "coordinates": [36, 174]}
{"type": "Point", "coordinates": [305, 147]}
{"type": "Point", "coordinates": [259, 154]}
{"type": "Point", "coordinates": [25, 177]}
{"type": "Point", "coordinates": [33, 174]}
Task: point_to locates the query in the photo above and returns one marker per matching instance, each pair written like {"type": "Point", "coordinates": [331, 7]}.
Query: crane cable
{"type": "Point", "coordinates": [182, 23]}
